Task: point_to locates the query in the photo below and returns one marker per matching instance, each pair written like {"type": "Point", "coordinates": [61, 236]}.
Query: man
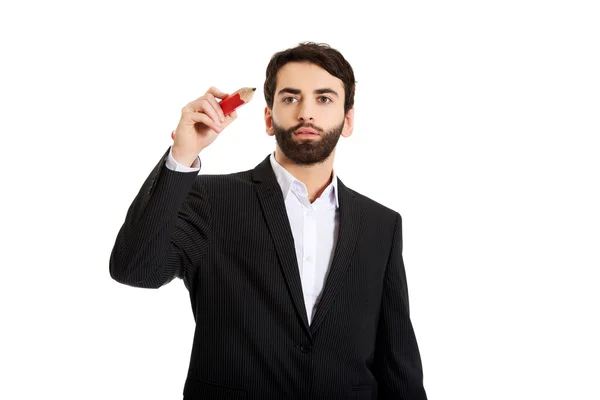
{"type": "Point", "coordinates": [296, 282]}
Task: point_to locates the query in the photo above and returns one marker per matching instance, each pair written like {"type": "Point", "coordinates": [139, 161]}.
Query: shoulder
{"type": "Point", "coordinates": [221, 187]}
{"type": "Point", "coordinates": [374, 209]}
{"type": "Point", "coordinates": [367, 202]}
{"type": "Point", "coordinates": [233, 178]}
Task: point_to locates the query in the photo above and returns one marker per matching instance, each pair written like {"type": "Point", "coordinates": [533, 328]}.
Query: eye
{"type": "Point", "coordinates": [324, 100]}
{"type": "Point", "coordinates": [289, 100]}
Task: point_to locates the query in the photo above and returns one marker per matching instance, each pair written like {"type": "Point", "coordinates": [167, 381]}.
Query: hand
{"type": "Point", "coordinates": [201, 121]}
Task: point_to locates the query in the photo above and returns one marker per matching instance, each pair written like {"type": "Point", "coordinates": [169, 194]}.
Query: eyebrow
{"type": "Point", "coordinates": [298, 91]}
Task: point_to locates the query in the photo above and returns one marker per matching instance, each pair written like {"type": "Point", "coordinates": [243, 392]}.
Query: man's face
{"type": "Point", "coordinates": [307, 117]}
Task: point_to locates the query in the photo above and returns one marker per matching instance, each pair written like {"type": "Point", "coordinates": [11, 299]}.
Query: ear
{"type": "Point", "coordinates": [348, 123]}
{"type": "Point", "coordinates": [269, 121]}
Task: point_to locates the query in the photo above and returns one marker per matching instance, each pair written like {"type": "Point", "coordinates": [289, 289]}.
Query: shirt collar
{"type": "Point", "coordinates": [286, 179]}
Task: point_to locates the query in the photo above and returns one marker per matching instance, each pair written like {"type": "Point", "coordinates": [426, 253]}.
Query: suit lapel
{"type": "Point", "coordinates": [350, 218]}
{"type": "Point", "coordinates": [273, 206]}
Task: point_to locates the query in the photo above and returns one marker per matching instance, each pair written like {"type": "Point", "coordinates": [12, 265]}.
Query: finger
{"type": "Point", "coordinates": [204, 119]}
{"type": "Point", "coordinates": [213, 102]}
{"type": "Point", "coordinates": [231, 116]}
{"type": "Point", "coordinates": [204, 106]}
{"type": "Point", "coordinates": [217, 93]}
{"type": "Point", "coordinates": [229, 119]}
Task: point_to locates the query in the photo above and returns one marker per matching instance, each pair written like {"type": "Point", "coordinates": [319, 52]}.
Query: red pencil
{"type": "Point", "coordinates": [233, 101]}
{"type": "Point", "coordinates": [236, 99]}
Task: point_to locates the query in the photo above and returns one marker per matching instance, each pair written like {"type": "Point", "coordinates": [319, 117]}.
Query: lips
{"type": "Point", "coordinates": [306, 131]}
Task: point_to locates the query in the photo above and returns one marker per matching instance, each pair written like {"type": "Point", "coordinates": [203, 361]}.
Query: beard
{"type": "Point", "coordinates": [307, 151]}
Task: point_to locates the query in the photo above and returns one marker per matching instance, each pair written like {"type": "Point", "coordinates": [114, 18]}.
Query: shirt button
{"type": "Point", "coordinates": [309, 259]}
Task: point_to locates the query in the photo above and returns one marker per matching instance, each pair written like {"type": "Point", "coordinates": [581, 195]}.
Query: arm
{"type": "Point", "coordinates": [397, 362]}
{"type": "Point", "coordinates": [166, 229]}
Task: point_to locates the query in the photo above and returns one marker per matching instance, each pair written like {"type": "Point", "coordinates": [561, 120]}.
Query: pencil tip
{"type": "Point", "coordinates": [253, 89]}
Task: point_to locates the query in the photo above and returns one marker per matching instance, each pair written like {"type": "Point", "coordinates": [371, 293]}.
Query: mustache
{"type": "Point", "coordinates": [303, 125]}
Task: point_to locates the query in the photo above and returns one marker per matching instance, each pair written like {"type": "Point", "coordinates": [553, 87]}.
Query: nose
{"type": "Point", "coordinates": [305, 112]}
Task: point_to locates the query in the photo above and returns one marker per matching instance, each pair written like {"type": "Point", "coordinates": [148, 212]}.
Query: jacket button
{"type": "Point", "coordinates": [305, 348]}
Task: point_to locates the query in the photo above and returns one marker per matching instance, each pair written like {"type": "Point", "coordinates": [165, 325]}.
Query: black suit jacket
{"type": "Point", "coordinates": [229, 239]}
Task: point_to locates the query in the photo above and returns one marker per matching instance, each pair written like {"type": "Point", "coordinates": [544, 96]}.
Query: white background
{"type": "Point", "coordinates": [478, 121]}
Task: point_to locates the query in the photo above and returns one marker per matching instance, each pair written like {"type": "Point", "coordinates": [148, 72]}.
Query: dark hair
{"type": "Point", "coordinates": [319, 54]}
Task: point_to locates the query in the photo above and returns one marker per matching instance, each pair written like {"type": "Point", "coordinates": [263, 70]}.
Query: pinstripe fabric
{"type": "Point", "coordinates": [229, 239]}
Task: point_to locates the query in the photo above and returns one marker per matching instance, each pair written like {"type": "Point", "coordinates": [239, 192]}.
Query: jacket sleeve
{"type": "Point", "coordinates": [397, 361]}
{"type": "Point", "coordinates": [166, 230]}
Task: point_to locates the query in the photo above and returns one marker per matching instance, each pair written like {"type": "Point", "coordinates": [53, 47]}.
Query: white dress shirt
{"type": "Point", "coordinates": [314, 227]}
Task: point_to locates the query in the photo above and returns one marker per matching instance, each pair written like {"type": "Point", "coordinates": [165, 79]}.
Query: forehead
{"type": "Point", "coordinates": [307, 77]}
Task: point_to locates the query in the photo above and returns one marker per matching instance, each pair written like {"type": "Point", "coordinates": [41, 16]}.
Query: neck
{"type": "Point", "coordinates": [315, 177]}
